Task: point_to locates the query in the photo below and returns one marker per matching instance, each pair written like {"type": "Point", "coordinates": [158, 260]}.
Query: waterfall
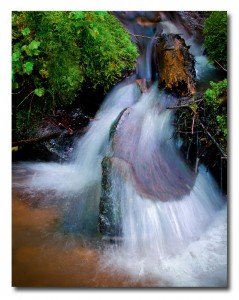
{"type": "Point", "coordinates": [166, 212]}
{"type": "Point", "coordinates": [173, 221]}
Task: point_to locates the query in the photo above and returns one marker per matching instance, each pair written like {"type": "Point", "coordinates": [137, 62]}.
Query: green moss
{"type": "Point", "coordinates": [61, 52]}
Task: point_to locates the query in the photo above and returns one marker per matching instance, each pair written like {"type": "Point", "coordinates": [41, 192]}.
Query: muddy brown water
{"type": "Point", "coordinates": [43, 256]}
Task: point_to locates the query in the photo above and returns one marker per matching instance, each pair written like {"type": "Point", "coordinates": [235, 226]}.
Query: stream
{"type": "Point", "coordinates": [167, 225]}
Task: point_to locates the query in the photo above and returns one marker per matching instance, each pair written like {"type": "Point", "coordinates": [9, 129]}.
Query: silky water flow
{"type": "Point", "coordinates": [173, 221]}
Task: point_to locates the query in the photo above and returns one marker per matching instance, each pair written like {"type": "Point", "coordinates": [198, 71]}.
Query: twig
{"type": "Point", "coordinates": [213, 139]}
{"type": "Point", "coordinates": [177, 106]}
{"type": "Point", "coordinates": [25, 99]}
{"type": "Point", "coordinates": [187, 132]}
{"type": "Point", "coordinates": [221, 66]}
{"type": "Point", "coordinates": [184, 105]}
{"type": "Point", "coordinates": [143, 36]}
{"type": "Point", "coordinates": [148, 37]}
{"type": "Point", "coordinates": [18, 92]}
{"type": "Point", "coordinates": [193, 121]}
{"type": "Point", "coordinates": [29, 111]}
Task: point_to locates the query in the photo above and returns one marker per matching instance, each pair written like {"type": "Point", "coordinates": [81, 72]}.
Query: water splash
{"type": "Point", "coordinates": [179, 240]}
{"type": "Point", "coordinates": [76, 185]}
{"type": "Point", "coordinates": [203, 263]}
{"type": "Point", "coordinates": [165, 230]}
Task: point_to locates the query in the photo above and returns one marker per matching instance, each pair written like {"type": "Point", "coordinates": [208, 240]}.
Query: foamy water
{"type": "Point", "coordinates": [174, 224]}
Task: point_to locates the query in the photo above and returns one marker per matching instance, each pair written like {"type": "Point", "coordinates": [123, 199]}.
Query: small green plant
{"type": "Point", "coordinates": [214, 99]}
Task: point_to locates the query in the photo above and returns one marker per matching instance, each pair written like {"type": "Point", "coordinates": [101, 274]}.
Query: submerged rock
{"type": "Point", "coordinates": [176, 66]}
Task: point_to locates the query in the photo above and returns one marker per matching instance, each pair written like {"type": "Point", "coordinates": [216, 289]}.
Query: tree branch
{"type": "Point", "coordinates": [38, 139]}
{"type": "Point", "coordinates": [147, 37]}
{"type": "Point", "coordinates": [185, 104]}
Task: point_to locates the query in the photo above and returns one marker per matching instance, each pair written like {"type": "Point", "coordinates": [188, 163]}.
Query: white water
{"type": "Point", "coordinates": [180, 241]}
{"type": "Point", "coordinates": [85, 166]}
{"type": "Point", "coordinates": [203, 263]}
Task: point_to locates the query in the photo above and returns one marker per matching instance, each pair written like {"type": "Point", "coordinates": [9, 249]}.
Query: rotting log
{"type": "Point", "coordinates": [176, 65]}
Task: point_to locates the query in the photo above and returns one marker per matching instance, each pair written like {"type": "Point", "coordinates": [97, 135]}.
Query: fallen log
{"type": "Point", "coordinates": [37, 139]}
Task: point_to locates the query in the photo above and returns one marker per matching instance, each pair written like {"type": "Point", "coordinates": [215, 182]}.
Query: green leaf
{"type": "Point", "coordinates": [39, 92]}
{"type": "Point", "coordinates": [15, 85]}
{"type": "Point", "coordinates": [28, 67]}
{"type": "Point", "coordinates": [36, 52]}
{"type": "Point", "coordinates": [16, 56]}
{"type": "Point", "coordinates": [26, 31]}
{"type": "Point", "coordinates": [34, 45]}
{"type": "Point", "coordinates": [24, 48]}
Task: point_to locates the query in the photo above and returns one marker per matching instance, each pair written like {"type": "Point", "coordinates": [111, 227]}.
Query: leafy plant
{"type": "Point", "coordinates": [214, 99]}
{"type": "Point", "coordinates": [215, 37]}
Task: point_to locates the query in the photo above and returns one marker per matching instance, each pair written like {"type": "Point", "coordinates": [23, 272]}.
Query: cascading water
{"type": "Point", "coordinates": [172, 222]}
{"type": "Point", "coordinates": [165, 211]}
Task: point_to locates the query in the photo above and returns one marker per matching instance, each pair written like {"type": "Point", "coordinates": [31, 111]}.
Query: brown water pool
{"type": "Point", "coordinates": [43, 256]}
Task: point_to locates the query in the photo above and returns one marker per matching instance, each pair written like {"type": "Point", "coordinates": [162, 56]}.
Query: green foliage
{"type": "Point", "coordinates": [56, 53]}
{"type": "Point", "coordinates": [203, 130]}
{"type": "Point", "coordinates": [214, 99]}
{"type": "Point", "coordinates": [39, 92]}
{"type": "Point", "coordinates": [215, 37]}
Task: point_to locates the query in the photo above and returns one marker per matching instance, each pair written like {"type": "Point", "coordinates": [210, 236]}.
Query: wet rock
{"type": "Point", "coordinates": [121, 117]}
{"type": "Point", "coordinates": [147, 165]}
{"type": "Point", "coordinates": [193, 22]}
{"type": "Point", "coordinates": [54, 137]}
{"type": "Point", "coordinates": [61, 147]}
{"type": "Point", "coordinates": [144, 84]}
{"type": "Point", "coordinates": [176, 66]}
{"type": "Point", "coordinates": [109, 208]}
